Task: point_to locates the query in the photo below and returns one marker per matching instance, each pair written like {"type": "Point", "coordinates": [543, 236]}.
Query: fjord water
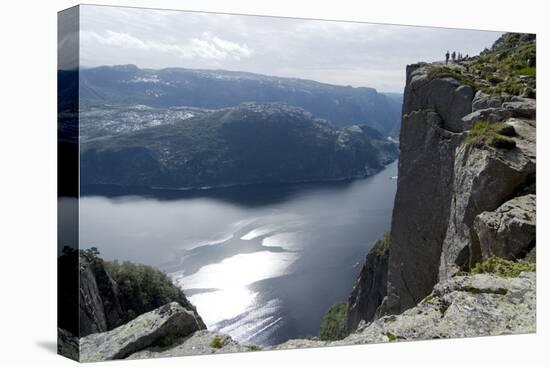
{"type": "Point", "coordinates": [261, 263]}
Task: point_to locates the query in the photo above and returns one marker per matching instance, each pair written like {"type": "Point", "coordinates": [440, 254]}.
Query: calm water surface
{"type": "Point", "coordinates": [261, 263]}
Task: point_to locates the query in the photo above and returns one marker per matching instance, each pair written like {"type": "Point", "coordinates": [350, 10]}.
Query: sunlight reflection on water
{"type": "Point", "coordinates": [239, 270]}
{"type": "Point", "coordinates": [223, 304]}
{"type": "Point", "coordinates": [227, 295]}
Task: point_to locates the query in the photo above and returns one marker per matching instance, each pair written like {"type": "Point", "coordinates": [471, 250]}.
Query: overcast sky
{"type": "Point", "coordinates": [344, 53]}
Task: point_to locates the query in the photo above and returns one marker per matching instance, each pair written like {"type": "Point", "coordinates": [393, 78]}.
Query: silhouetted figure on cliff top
{"type": "Point", "coordinates": [447, 58]}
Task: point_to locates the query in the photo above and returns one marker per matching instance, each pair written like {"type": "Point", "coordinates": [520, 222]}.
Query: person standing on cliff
{"type": "Point", "coordinates": [453, 56]}
{"type": "Point", "coordinates": [447, 57]}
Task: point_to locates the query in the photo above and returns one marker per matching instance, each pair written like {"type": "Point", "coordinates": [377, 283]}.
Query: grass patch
{"type": "Point", "coordinates": [428, 298]}
{"type": "Point", "coordinates": [438, 72]}
{"type": "Point", "coordinates": [496, 135]}
{"type": "Point", "coordinates": [498, 70]}
{"type": "Point", "coordinates": [333, 325]}
{"type": "Point", "coordinates": [390, 320]}
{"type": "Point", "coordinates": [217, 343]}
{"type": "Point", "coordinates": [513, 55]}
{"type": "Point", "coordinates": [504, 268]}
{"type": "Point", "coordinates": [531, 72]}
{"type": "Point", "coordinates": [391, 337]}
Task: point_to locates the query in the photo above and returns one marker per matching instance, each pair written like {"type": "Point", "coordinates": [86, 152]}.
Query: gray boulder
{"type": "Point", "coordinates": [491, 115]}
{"type": "Point", "coordinates": [522, 107]}
{"type": "Point", "coordinates": [483, 101]}
{"type": "Point", "coordinates": [484, 178]}
{"type": "Point", "coordinates": [160, 326]}
{"type": "Point", "coordinates": [508, 232]}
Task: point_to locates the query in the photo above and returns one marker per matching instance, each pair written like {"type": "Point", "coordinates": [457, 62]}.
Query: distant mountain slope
{"type": "Point", "coordinates": [247, 144]}
{"type": "Point", "coordinates": [213, 89]}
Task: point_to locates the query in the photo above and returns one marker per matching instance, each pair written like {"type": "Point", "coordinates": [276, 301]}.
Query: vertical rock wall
{"type": "Point", "coordinates": [451, 206]}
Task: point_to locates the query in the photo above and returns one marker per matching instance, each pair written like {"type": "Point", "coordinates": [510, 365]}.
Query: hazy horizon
{"type": "Point", "coordinates": [332, 52]}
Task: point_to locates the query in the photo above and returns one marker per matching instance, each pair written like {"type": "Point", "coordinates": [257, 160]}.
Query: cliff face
{"type": "Point", "coordinates": [445, 183]}
{"type": "Point", "coordinates": [431, 123]}
{"type": "Point", "coordinates": [370, 288]}
{"type": "Point", "coordinates": [466, 180]}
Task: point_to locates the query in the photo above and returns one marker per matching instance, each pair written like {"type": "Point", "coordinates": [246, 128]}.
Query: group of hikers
{"type": "Point", "coordinates": [455, 57]}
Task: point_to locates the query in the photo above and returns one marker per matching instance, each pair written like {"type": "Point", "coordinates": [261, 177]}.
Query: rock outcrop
{"type": "Point", "coordinates": [508, 232]}
{"type": "Point", "coordinates": [157, 327]}
{"type": "Point", "coordinates": [483, 180]}
{"type": "Point", "coordinates": [104, 305]}
{"type": "Point", "coordinates": [428, 141]}
{"type": "Point", "coordinates": [370, 288]}
{"type": "Point", "coordinates": [447, 183]}
{"type": "Point", "coordinates": [463, 306]}
{"type": "Point", "coordinates": [461, 197]}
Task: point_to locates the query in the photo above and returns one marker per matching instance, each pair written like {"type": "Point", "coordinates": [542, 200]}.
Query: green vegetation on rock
{"type": "Point", "coordinates": [217, 343]}
{"type": "Point", "coordinates": [333, 325]}
{"type": "Point", "coordinates": [509, 67]}
{"type": "Point", "coordinates": [143, 288]}
{"type": "Point", "coordinates": [496, 135]}
{"type": "Point", "coordinates": [247, 144]}
{"type": "Point", "coordinates": [382, 244]}
{"type": "Point", "coordinates": [253, 348]}
{"type": "Point", "coordinates": [428, 298]}
{"type": "Point", "coordinates": [437, 72]}
{"type": "Point", "coordinates": [391, 337]}
{"type": "Point", "coordinates": [504, 268]}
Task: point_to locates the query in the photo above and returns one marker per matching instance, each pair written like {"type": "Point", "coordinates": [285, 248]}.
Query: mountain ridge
{"type": "Point", "coordinates": [170, 87]}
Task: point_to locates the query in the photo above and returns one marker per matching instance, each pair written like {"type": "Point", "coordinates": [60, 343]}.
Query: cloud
{"type": "Point", "coordinates": [345, 53]}
{"type": "Point", "coordinates": [206, 46]}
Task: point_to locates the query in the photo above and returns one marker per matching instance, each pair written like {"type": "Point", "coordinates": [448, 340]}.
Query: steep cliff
{"type": "Point", "coordinates": [370, 288]}
{"type": "Point", "coordinates": [467, 168]}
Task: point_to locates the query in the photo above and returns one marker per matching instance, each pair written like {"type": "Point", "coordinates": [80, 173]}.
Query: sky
{"type": "Point", "coordinates": [342, 53]}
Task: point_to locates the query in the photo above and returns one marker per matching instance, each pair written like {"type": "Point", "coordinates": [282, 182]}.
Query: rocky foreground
{"type": "Point", "coordinates": [462, 306]}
